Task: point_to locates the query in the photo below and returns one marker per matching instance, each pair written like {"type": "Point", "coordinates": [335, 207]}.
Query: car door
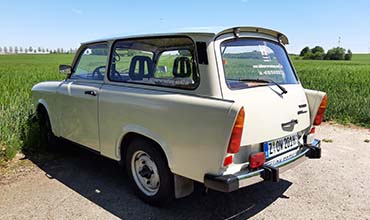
{"type": "Point", "coordinates": [78, 97]}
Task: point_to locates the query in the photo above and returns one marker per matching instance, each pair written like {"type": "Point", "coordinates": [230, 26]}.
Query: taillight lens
{"type": "Point", "coordinates": [228, 160]}
{"type": "Point", "coordinates": [320, 113]}
{"type": "Point", "coordinates": [236, 134]}
{"type": "Point", "coordinates": [257, 160]}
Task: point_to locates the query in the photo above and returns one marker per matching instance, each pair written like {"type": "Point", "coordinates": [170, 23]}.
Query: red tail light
{"type": "Point", "coordinates": [313, 130]}
{"type": "Point", "coordinates": [228, 160]}
{"type": "Point", "coordinates": [320, 113]}
{"type": "Point", "coordinates": [257, 160]}
{"type": "Point", "coordinates": [236, 134]}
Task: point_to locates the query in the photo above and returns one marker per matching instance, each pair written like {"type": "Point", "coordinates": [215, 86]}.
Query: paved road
{"type": "Point", "coordinates": [80, 185]}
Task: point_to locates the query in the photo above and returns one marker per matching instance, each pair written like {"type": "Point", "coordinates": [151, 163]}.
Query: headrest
{"type": "Point", "coordinates": [181, 67]}
{"type": "Point", "coordinates": [141, 61]}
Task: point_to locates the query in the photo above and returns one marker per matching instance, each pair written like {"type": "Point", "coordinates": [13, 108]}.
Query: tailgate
{"type": "Point", "coordinates": [269, 115]}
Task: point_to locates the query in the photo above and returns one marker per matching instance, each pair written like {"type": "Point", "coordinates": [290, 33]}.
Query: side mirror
{"type": "Point", "coordinates": [65, 69]}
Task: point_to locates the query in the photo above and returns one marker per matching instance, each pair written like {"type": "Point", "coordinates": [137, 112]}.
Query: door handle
{"type": "Point", "coordinates": [91, 92]}
{"type": "Point", "coordinates": [290, 123]}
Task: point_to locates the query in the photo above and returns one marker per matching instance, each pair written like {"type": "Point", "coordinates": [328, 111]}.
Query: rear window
{"type": "Point", "coordinates": [246, 61]}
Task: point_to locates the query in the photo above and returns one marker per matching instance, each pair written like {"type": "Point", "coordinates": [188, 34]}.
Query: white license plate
{"type": "Point", "coordinates": [279, 146]}
{"type": "Point", "coordinates": [281, 158]}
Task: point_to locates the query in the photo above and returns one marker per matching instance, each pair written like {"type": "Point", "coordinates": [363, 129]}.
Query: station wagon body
{"type": "Point", "coordinates": [225, 109]}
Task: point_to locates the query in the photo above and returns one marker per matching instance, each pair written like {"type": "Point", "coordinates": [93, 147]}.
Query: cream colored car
{"type": "Point", "coordinates": [224, 109]}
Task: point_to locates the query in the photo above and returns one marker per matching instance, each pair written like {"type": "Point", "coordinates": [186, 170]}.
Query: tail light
{"type": "Point", "coordinates": [256, 160]}
{"type": "Point", "coordinates": [236, 134]}
{"type": "Point", "coordinates": [228, 160]}
{"type": "Point", "coordinates": [320, 112]}
{"type": "Point", "coordinates": [313, 130]}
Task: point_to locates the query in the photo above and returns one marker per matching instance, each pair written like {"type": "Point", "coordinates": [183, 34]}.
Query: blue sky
{"type": "Point", "coordinates": [67, 23]}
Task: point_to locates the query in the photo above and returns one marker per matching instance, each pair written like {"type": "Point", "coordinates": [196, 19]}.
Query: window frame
{"type": "Point", "coordinates": [77, 59]}
{"type": "Point", "coordinates": [194, 54]}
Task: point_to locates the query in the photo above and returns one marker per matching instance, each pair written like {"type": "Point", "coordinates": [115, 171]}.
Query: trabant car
{"type": "Point", "coordinates": [224, 109]}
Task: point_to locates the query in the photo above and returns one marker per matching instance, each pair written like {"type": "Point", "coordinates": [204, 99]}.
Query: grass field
{"type": "Point", "coordinates": [18, 73]}
{"type": "Point", "coordinates": [346, 82]}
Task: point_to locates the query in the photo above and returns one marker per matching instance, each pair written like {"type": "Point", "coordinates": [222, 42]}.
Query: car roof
{"type": "Point", "coordinates": [283, 39]}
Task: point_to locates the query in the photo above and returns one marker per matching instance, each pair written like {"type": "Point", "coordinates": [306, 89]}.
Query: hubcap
{"type": "Point", "coordinates": [145, 173]}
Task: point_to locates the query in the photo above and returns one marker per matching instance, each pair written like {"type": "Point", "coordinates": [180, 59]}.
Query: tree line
{"type": "Point", "coordinates": [16, 50]}
{"type": "Point", "coordinates": [318, 53]}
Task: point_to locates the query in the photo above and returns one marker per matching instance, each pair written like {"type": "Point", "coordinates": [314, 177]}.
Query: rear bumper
{"type": "Point", "coordinates": [232, 182]}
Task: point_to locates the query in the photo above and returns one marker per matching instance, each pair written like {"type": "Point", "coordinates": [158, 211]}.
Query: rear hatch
{"type": "Point", "coordinates": [257, 74]}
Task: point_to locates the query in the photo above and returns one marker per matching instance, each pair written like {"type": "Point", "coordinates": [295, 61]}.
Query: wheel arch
{"type": "Point", "coordinates": [132, 134]}
{"type": "Point", "coordinates": [42, 106]}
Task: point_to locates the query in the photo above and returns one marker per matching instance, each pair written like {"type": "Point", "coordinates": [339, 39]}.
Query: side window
{"type": "Point", "coordinates": [167, 62]}
{"type": "Point", "coordinates": [175, 68]}
{"type": "Point", "coordinates": [174, 63]}
{"type": "Point", "coordinates": [92, 63]}
{"type": "Point", "coordinates": [131, 65]}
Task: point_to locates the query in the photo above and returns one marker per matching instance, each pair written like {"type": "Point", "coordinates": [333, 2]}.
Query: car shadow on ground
{"type": "Point", "coordinates": [103, 182]}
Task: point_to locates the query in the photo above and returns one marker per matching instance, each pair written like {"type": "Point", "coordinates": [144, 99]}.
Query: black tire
{"type": "Point", "coordinates": [165, 192]}
{"type": "Point", "coordinates": [47, 137]}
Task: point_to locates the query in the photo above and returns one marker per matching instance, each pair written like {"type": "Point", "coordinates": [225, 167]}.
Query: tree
{"type": "Point", "coordinates": [10, 49]}
{"type": "Point", "coordinates": [25, 50]}
{"type": "Point", "coordinates": [304, 51]}
{"type": "Point", "coordinates": [318, 49]}
{"type": "Point", "coordinates": [39, 49]}
{"type": "Point", "coordinates": [30, 49]}
{"type": "Point", "coordinates": [43, 50]}
{"type": "Point", "coordinates": [348, 55]}
{"type": "Point", "coordinates": [16, 49]}
{"type": "Point", "coordinates": [336, 53]}
{"type": "Point", "coordinates": [1, 49]}
{"type": "Point", "coordinates": [5, 50]}
{"type": "Point", "coordinates": [308, 55]}
{"type": "Point", "coordinates": [313, 56]}
{"type": "Point", "coordinates": [21, 49]}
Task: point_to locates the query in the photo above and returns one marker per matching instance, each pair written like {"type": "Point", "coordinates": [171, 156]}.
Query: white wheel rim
{"type": "Point", "coordinates": [145, 173]}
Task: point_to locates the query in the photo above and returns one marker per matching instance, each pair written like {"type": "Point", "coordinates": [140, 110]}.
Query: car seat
{"type": "Point", "coordinates": [141, 61]}
{"type": "Point", "coordinates": [181, 67]}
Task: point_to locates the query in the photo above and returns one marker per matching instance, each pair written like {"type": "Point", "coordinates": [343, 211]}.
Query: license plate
{"type": "Point", "coordinates": [279, 146]}
{"type": "Point", "coordinates": [281, 158]}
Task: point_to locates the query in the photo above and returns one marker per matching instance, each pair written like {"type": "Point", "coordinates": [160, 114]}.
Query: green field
{"type": "Point", "coordinates": [346, 82]}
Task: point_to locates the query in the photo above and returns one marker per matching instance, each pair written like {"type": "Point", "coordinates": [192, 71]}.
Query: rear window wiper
{"type": "Point", "coordinates": [283, 90]}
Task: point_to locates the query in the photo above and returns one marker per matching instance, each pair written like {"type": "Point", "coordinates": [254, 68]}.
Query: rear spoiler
{"type": "Point", "coordinates": [235, 30]}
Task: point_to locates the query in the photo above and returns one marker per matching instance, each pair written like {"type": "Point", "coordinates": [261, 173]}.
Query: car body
{"type": "Point", "coordinates": [225, 109]}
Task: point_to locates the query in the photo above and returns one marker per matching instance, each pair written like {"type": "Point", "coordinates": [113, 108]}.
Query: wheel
{"type": "Point", "coordinates": [149, 173]}
{"type": "Point", "coordinates": [48, 139]}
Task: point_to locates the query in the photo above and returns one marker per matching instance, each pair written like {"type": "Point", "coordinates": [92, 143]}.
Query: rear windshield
{"type": "Point", "coordinates": [246, 60]}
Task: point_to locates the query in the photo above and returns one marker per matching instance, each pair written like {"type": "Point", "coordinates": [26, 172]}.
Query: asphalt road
{"type": "Point", "coordinates": [81, 185]}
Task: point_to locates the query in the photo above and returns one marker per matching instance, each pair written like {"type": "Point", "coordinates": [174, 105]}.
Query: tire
{"type": "Point", "coordinates": [149, 173]}
{"type": "Point", "coordinates": [47, 137]}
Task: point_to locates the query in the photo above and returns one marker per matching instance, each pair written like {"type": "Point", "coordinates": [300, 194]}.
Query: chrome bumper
{"type": "Point", "coordinates": [232, 182]}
